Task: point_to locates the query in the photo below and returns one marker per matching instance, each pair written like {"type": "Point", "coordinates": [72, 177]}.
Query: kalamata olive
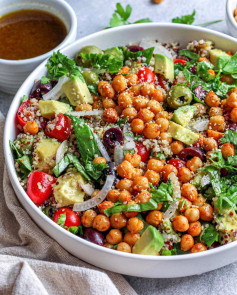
{"type": "Point", "coordinates": [110, 170]}
{"type": "Point", "coordinates": [94, 236]}
{"type": "Point", "coordinates": [200, 92]}
{"type": "Point", "coordinates": [232, 126]}
{"type": "Point", "coordinates": [39, 89]}
{"type": "Point", "coordinates": [190, 152]}
{"type": "Point", "coordinates": [135, 48]}
{"type": "Point", "coordinates": [193, 69]}
{"type": "Point", "coordinates": [112, 136]}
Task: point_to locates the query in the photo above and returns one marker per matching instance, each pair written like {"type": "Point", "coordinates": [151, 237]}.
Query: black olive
{"type": "Point", "coordinates": [112, 136]}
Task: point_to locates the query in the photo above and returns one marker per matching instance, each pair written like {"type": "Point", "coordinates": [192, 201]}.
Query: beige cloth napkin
{"type": "Point", "coordinates": [33, 263]}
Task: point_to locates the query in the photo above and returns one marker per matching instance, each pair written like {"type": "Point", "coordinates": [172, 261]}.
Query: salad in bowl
{"type": "Point", "coordinates": [133, 147]}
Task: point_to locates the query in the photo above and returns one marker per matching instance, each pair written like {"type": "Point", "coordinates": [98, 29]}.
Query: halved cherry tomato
{"type": "Point", "coordinates": [180, 60]}
{"type": "Point", "coordinates": [72, 219]}
{"type": "Point", "coordinates": [146, 75]}
{"type": "Point", "coordinates": [177, 163]}
{"type": "Point", "coordinates": [142, 151]}
{"type": "Point", "coordinates": [39, 186]}
{"type": "Point", "coordinates": [59, 128]}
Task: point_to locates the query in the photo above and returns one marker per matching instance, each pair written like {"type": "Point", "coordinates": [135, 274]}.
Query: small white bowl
{"type": "Point", "coordinates": [230, 20]}
{"type": "Point", "coordinates": [14, 72]}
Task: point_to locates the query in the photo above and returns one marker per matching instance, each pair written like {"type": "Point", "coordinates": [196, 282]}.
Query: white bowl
{"type": "Point", "coordinates": [130, 264]}
{"type": "Point", "coordinates": [232, 24]}
{"type": "Point", "coordinates": [14, 72]}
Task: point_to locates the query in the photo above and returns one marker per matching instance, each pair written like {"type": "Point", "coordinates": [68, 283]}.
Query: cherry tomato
{"type": "Point", "coordinates": [72, 219]}
{"type": "Point", "coordinates": [142, 151]}
{"type": "Point", "coordinates": [180, 60]}
{"type": "Point", "coordinates": [160, 81]}
{"type": "Point", "coordinates": [177, 163]}
{"type": "Point", "coordinates": [146, 75]}
{"type": "Point", "coordinates": [61, 128]}
{"type": "Point", "coordinates": [39, 186]}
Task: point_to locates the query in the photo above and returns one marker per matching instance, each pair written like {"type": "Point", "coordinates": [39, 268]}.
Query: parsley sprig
{"type": "Point", "coordinates": [61, 221]}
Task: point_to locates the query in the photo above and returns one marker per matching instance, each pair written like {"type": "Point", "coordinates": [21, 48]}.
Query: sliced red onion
{"type": "Point", "coordinates": [118, 155]}
{"type": "Point", "coordinates": [134, 48]}
{"type": "Point", "coordinates": [87, 113]}
{"type": "Point", "coordinates": [129, 145]}
{"type": "Point", "coordinates": [57, 91]}
{"type": "Point", "coordinates": [98, 198]}
{"type": "Point", "coordinates": [61, 151]}
{"type": "Point", "coordinates": [200, 125]}
{"type": "Point", "coordinates": [200, 92]}
{"type": "Point", "coordinates": [160, 49]}
{"type": "Point", "coordinates": [102, 149]}
{"type": "Point", "coordinates": [88, 188]}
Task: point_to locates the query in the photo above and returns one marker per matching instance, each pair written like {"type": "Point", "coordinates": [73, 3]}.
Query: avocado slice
{"type": "Point", "coordinates": [114, 52]}
{"type": "Point", "coordinates": [150, 243]}
{"type": "Point", "coordinates": [184, 114]}
{"type": "Point", "coordinates": [77, 91]}
{"type": "Point", "coordinates": [182, 134]}
{"type": "Point", "coordinates": [168, 228]}
{"type": "Point", "coordinates": [48, 108]}
{"type": "Point", "coordinates": [164, 66]}
{"type": "Point", "coordinates": [218, 58]}
{"type": "Point", "coordinates": [67, 191]}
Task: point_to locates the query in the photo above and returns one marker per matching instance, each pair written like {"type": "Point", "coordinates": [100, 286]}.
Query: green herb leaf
{"type": "Point", "coordinates": [185, 19]}
{"type": "Point", "coordinates": [131, 134]}
{"type": "Point", "coordinates": [146, 53]}
{"type": "Point", "coordinates": [93, 88]}
{"type": "Point", "coordinates": [73, 229]}
{"type": "Point", "coordinates": [95, 169]}
{"type": "Point", "coordinates": [163, 193]}
{"type": "Point", "coordinates": [129, 151]}
{"type": "Point", "coordinates": [124, 14]}
{"type": "Point", "coordinates": [44, 80]}
{"type": "Point", "coordinates": [231, 66]}
{"type": "Point", "coordinates": [190, 54]}
{"type": "Point", "coordinates": [61, 220]}
{"type": "Point", "coordinates": [23, 98]}
{"type": "Point", "coordinates": [230, 136]}
{"type": "Point", "coordinates": [143, 20]}
{"type": "Point", "coordinates": [209, 235]}
{"type": "Point", "coordinates": [158, 155]}
{"type": "Point", "coordinates": [122, 121]}
{"type": "Point", "coordinates": [24, 164]}
{"type": "Point", "coordinates": [14, 150]}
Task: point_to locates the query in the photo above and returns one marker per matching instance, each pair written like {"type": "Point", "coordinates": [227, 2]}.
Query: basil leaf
{"type": "Point", "coordinates": [190, 54]}
{"type": "Point", "coordinates": [14, 149]}
{"type": "Point", "coordinates": [24, 164]}
{"type": "Point", "coordinates": [44, 80]}
{"type": "Point", "coordinates": [231, 66]}
{"type": "Point", "coordinates": [230, 136]}
{"type": "Point", "coordinates": [209, 235]}
{"type": "Point", "coordinates": [93, 88]}
{"type": "Point", "coordinates": [95, 169]}
{"type": "Point", "coordinates": [163, 193]}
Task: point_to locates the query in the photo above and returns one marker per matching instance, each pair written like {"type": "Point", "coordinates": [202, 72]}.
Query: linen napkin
{"type": "Point", "coordinates": [33, 263]}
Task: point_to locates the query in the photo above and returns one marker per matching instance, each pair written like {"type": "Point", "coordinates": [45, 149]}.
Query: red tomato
{"type": "Point", "coordinates": [72, 219]}
{"type": "Point", "coordinates": [146, 75]}
{"type": "Point", "coordinates": [142, 151]}
{"type": "Point", "coordinates": [39, 186]}
{"type": "Point", "coordinates": [160, 81]}
{"type": "Point", "coordinates": [180, 60]}
{"type": "Point", "coordinates": [177, 163]}
{"type": "Point", "coordinates": [59, 128]}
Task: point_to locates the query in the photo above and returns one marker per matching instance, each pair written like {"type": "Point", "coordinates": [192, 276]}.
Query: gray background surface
{"type": "Point", "coordinates": [94, 15]}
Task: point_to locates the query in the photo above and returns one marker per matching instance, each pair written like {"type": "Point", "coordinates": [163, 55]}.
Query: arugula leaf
{"type": "Point", "coordinates": [93, 88]}
{"type": "Point", "coordinates": [178, 68]}
{"type": "Point", "coordinates": [231, 66]}
{"type": "Point", "coordinates": [62, 219]}
{"type": "Point", "coordinates": [209, 235]}
{"type": "Point", "coordinates": [185, 19]}
{"type": "Point", "coordinates": [73, 229]}
{"type": "Point", "coordinates": [146, 53]}
{"type": "Point", "coordinates": [44, 80]}
{"type": "Point", "coordinates": [24, 164]}
{"type": "Point", "coordinates": [95, 169]}
{"type": "Point", "coordinates": [202, 70]}
{"type": "Point", "coordinates": [222, 61]}
{"type": "Point", "coordinates": [232, 160]}
{"type": "Point", "coordinates": [230, 136]}
{"type": "Point", "coordinates": [190, 54]}
{"type": "Point", "coordinates": [163, 193]}
{"type": "Point", "coordinates": [14, 149]}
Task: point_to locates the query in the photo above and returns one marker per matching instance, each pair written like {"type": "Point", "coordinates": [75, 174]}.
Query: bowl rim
{"type": "Point", "coordinates": [13, 176]}
{"type": "Point", "coordinates": [71, 32]}
{"type": "Point", "coordinates": [230, 13]}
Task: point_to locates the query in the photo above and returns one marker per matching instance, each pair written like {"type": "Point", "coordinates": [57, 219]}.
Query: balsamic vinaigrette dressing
{"type": "Point", "coordinates": [29, 33]}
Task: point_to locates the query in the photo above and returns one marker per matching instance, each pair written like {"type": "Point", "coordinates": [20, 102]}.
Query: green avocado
{"type": "Point", "coordinates": [182, 134]}
{"type": "Point", "coordinates": [184, 114]}
{"type": "Point", "coordinates": [227, 225]}
{"type": "Point", "coordinates": [215, 55]}
{"type": "Point", "coordinates": [164, 66]}
{"type": "Point", "coordinates": [168, 228]}
{"type": "Point", "coordinates": [67, 191]}
{"type": "Point", "coordinates": [48, 108]}
{"type": "Point", "coordinates": [150, 243]}
{"type": "Point", "coordinates": [77, 91]}
{"type": "Point", "coordinates": [114, 52]}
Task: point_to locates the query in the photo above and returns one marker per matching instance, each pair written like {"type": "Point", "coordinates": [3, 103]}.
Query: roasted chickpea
{"type": "Point", "coordinates": [114, 236]}
{"type": "Point", "coordinates": [199, 201]}
{"type": "Point", "coordinates": [108, 103]}
{"type": "Point", "coordinates": [201, 109]}
{"type": "Point", "coordinates": [137, 172]}
{"type": "Point", "coordinates": [158, 95]}
{"type": "Point", "coordinates": [125, 170]}
{"type": "Point", "coordinates": [195, 229]}
{"type": "Point", "coordinates": [101, 223]}
{"type": "Point", "coordinates": [131, 79]}
{"type": "Point", "coordinates": [154, 217]}
{"type": "Point", "coordinates": [88, 218]}
{"type": "Point", "coordinates": [135, 225]}
{"type": "Point", "coordinates": [147, 89]}
{"type": "Point", "coordinates": [186, 242]}
{"type": "Point", "coordinates": [110, 115]}
{"type": "Point", "coordinates": [166, 137]}
{"type": "Point", "coordinates": [184, 204]}
{"type": "Point", "coordinates": [113, 195]}
{"type": "Point", "coordinates": [118, 109]}
{"type": "Point", "coordinates": [124, 247]}
{"type": "Point", "coordinates": [105, 205]}
{"type": "Point", "coordinates": [118, 220]}
{"type": "Point", "coordinates": [95, 193]}
{"type": "Point", "coordinates": [135, 89]}
{"type": "Point", "coordinates": [192, 214]}
{"type": "Point", "coordinates": [228, 150]}
{"type": "Point", "coordinates": [140, 102]}
{"type": "Point", "coordinates": [163, 124]}
{"type": "Point", "coordinates": [143, 197]}
{"type": "Point", "coordinates": [83, 107]}
{"type": "Point", "coordinates": [131, 239]}
{"type": "Point", "coordinates": [130, 214]}
{"type": "Point", "coordinates": [167, 170]}
{"type": "Point", "coordinates": [130, 113]}
{"type": "Point", "coordinates": [215, 111]}
{"type": "Point", "coordinates": [209, 144]}
{"type": "Point", "coordinates": [124, 100]}
{"type": "Point", "coordinates": [162, 114]}
{"type": "Point", "coordinates": [189, 191]}
{"type": "Point", "coordinates": [125, 196]}
{"type": "Point", "coordinates": [156, 165]}
{"type": "Point", "coordinates": [97, 105]}
{"type": "Point", "coordinates": [145, 115]}
{"type": "Point", "coordinates": [105, 89]}
{"type": "Point", "coordinates": [227, 78]}
{"type": "Point", "coordinates": [140, 183]}
{"type": "Point", "coordinates": [217, 123]}
{"type": "Point", "coordinates": [176, 147]}
{"type": "Point", "coordinates": [125, 184]}
{"type": "Point", "coordinates": [184, 174]}
{"type": "Point", "coordinates": [233, 115]}
{"type": "Point", "coordinates": [152, 176]}
{"type": "Point", "coordinates": [134, 159]}
{"type": "Point", "coordinates": [206, 212]}
{"type": "Point", "coordinates": [194, 164]}
{"type": "Point", "coordinates": [154, 106]}
{"type": "Point", "coordinates": [180, 223]}
{"type": "Point", "coordinates": [108, 245]}
{"type": "Point", "coordinates": [151, 130]}
{"type": "Point", "coordinates": [137, 126]}
{"type": "Point", "coordinates": [231, 101]}
{"type": "Point", "coordinates": [119, 83]}
{"type": "Point", "coordinates": [99, 160]}
{"type": "Point", "coordinates": [199, 247]}
{"type": "Point", "coordinates": [212, 100]}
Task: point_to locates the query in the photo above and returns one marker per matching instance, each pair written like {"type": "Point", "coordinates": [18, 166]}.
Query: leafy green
{"type": "Point", "coordinates": [131, 134]}
{"type": "Point", "coordinates": [24, 164]}
{"type": "Point", "coordinates": [93, 88]}
{"type": "Point", "coordinates": [132, 151]}
{"type": "Point", "coordinates": [163, 193]}
{"type": "Point", "coordinates": [209, 235]}
{"type": "Point", "coordinates": [178, 67]}
{"type": "Point", "coordinates": [80, 230]}
{"type": "Point", "coordinates": [230, 136]}
{"type": "Point", "coordinates": [44, 80]}
{"type": "Point", "coordinates": [231, 65]}
{"type": "Point", "coordinates": [23, 98]}
{"type": "Point", "coordinates": [14, 149]}
{"type": "Point", "coordinates": [61, 219]}
{"type": "Point", "coordinates": [185, 19]}
{"type": "Point", "coordinates": [202, 70]}
{"type": "Point", "coordinates": [95, 169]}
{"type": "Point", "coordinates": [122, 121]}
{"type": "Point", "coordinates": [158, 155]}
{"type": "Point", "coordinates": [190, 54]}
{"type": "Point", "coordinates": [73, 229]}
{"type": "Point", "coordinates": [221, 62]}
{"type": "Point", "coordinates": [146, 53]}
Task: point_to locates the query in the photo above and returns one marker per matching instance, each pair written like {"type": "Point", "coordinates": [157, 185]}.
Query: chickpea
{"type": "Point", "coordinates": [135, 225]}
{"type": "Point", "coordinates": [152, 176]}
{"type": "Point", "coordinates": [231, 101]}
{"type": "Point", "coordinates": [108, 103]}
{"type": "Point", "coordinates": [110, 115]}
{"type": "Point", "coordinates": [105, 89]}
{"type": "Point", "coordinates": [135, 90]}
{"type": "Point", "coordinates": [209, 144]}
{"type": "Point", "coordinates": [154, 106]}
{"type": "Point", "coordinates": [215, 111]}
{"type": "Point", "coordinates": [31, 127]}
{"type": "Point", "coordinates": [104, 205]}
{"type": "Point", "coordinates": [137, 172]}
{"type": "Point", "coordinates": [113, 195]}
{"type": "Point", "coordinates": [101, 223]}
{"type": "Point", "coordinates": [95, 97]}
{"type": "Point", "coordinates": [158, 95]}
{"type": "Point", "coordinates": [186, 242]}
{"type": "Point", "coordinates": [195, 229]}
{"type": "Point", "coordinates": [145, 115]}
{"type": "Point", "coordinates": [184, 174]}
{"type": "Point", "coordinates": [194, 164]}
{"type": "Point", "coordinates": [199, 247]}
{"type": "Point", "coordinates": [147, 89]}
{"type": "Point", "coordinates": [119, 83]}
{"type": "Point", "coordinates": [125, 196]}
{"type": "Point", "coordinates": [99, 160]}
{"type": "Point", "coordinates": [118, 220]}
{"type": "Point", "coordinates": [83, 107]}
{"type": "Point", "coordinates": [156, 165]}
{"type": "Point", "coordinates": [133, 159]}
{"type": "Point", "coordinates": [124, 70]}
{"type": "Point", "coordinates": [130, 113]}
{"type": "Point", "coordinates": [189, 191]}
{"type": "Point", "coordinates": [212, 100]}
{"type": "Point", "coordinates": [206, 212]}
{"type": "Point", "coordinates": [154, 217]}
{"type": "Point", "coordinates": [192, 214]}
{"type": "Point", "coordinates": [118, 109]}
{"type": "Point", "coordinates": [125, 184]}
{"type": "Point", "coordinates": [124, 247]}
{"type": "Point", "coordinates": [228, 150]}
{"type": "Point", "coordinates": [109, 246]}
{"type": "Point", "coordinates": [180, 223]}
{"type": "Point", "coordinates": [125, 170]}
{"type": "Point", "coordinates": [132, 79]}
{"type": "Point", "coordinates": [143, 197]}
{"type": "Point", "coordinates": [137, 126]}
{"type": "Point", "coordinates": [176, 146]}
{"type": "Point", "coordinates": [184, 204]}
{"type": "Point", "coordinates": [167, 170]}
{"type": "Point", "coordinates": [114, 236]}
{"type": "Point", "coordinates": [227, 78]}
{"type": "Point", "coordinates": [88, 218]}
{"type": "Point", "coordinates": [201, 109]}
{"type": "Point", "coordinates": [162, 114]}
{"type": "Point", "coordinates": [94, 194]}
{"type": "Point", "coordinates": [151, 130]}
{"type": "Point", "coordinates": [97, 105]}
{"type": "Point", "coordinates": [140, 183]}
{"type": "Point", "coordinates": [140, 102]}
{"type": "Point", "coordinates": [165, 136]}
{"type": "Point", "coordinates": [233, 115]}
{"type": "Point", "coordinates": [200, 201]}
{"type": "Point", "coordinates": [130, 214]}
{"type": "Point", "coordinates": [131, 239]}
{"type": "Point", "coordinates": [163, 124]}
{"type": "Point", "coordinates": [124, 100]}
{"type": "Point", "coordinates": [217, 123]}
